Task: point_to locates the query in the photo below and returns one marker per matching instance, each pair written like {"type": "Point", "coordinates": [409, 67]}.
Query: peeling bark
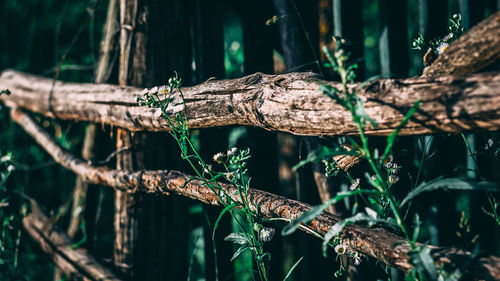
{"type": "Point", "coordinates": [375, 242]}
{"type": "Point", "coordinates": [77, 264]}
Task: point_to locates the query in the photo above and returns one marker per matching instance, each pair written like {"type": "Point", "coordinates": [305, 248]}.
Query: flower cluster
{"type": "Point", "coordinates": [438, 46]}
{"type": "Point", "coordinates": [354, 184]}
{"type": "Point", "coordinates": [392, 169]}
{"type": "Point", "coordinates": [341, 249]}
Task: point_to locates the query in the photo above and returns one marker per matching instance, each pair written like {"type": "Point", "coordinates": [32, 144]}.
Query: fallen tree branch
{"type": "Point", "coordinates": [375, 242]}
{"type": "Point", "coordinates": [77, 264]}
{"type": "Point", "coordinates": [289, 102]}
{"type": "Point", "coordinates": [473, 51]}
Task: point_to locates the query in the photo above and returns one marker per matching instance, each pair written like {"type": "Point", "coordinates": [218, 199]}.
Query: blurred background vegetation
{"type": "Point", "coordinates": [40, 36]}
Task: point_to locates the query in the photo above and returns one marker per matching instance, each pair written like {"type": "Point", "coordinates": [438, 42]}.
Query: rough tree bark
{"type": "Point", "coordinates": [133, 15]}
{"type": "Point", "coordinates": [375, 242]}
{"type": "Point", "coordinates": [289, 103]}
{"type": "Point", "coordinates": [75, 263]}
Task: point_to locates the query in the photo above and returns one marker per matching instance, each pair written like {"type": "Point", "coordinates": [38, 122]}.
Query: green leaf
{"type": "Point", "coordinates": [333, 94]}
{"type": "Point", "coordinates": [417, 223]}
{"type": "Point", "coordinates": [239, 238]}
{"type": "Point", "coordinates": [360, 217]}
{"type": "Point", "coordinates": [361, 113]}
{"type": "Point", "coordinates": [238, 252]}
{"type": "Point", "coordinates": [308, 216]}
{"type": "Point", "coordinates": [449, 184]}
{"type": "Point", "coordinates": [292, 268]}
{"type": "Point", "coordinates": [422, 260]}
{"type": "Point", "coordinates": [392, 137]}
{"type": "Point", "coordinates": [227, 208]}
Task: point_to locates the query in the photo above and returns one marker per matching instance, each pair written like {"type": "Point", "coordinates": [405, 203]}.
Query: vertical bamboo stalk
{"type": "Point", "coordinates": [132, 66]}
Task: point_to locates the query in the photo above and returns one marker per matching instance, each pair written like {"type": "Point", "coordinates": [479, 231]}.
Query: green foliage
{"type": "Point", "coordinates": [448, 184]}
{"type": "Point", "coordinates": [494, 209]}
{"type": "Point", "coordinates": [292, 269]}
{"type": "Point", "coordinates": [421, 259]}
{"type": "Point", "coordinates": [380, 197]}
{"type": "Point", "coordinates": [10, 226]}
{"type": "Point", "coordinates": [252, 234]}
{"type": "Point", "coordinates": [358, 218]}
{"type": "Point", "coordinates": [438, 45]}
{"type": "Point", "coordinates": [323, 153]}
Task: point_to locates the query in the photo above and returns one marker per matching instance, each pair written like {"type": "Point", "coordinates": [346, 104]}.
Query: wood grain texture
{"type": "Point", "coordinates": [473, 51]}
{"type": "Point", "coordinates": [289, 103]}
{"type": "Point", "coordinates": [375, 242]}
{"type": "Point", "coordinates": [77, 264]}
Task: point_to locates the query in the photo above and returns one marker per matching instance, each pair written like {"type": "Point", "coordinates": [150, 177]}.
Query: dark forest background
{"type": "Point", "coordinates": [200, 39]}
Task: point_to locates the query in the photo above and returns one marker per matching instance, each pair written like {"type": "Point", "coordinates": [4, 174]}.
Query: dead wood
{"type": "Point", "coordinates": [374, 242]}
{"type": "Point", "coordinates": [290, 103]}
{"type": "Point", "coordinates": [77, 264]}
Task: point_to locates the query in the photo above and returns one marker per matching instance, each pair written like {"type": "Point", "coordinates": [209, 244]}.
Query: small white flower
{"type": "Point", "coordinates": [442, 47]}
{"type": "Point", "coordinates": [11, 168]}
{"type": "Point", "coordinates": [144, 92]}
{"type": "Point", "coordinates": [357, 258]}
{"type": "Point", "coordinates": [153, 90]}
{"type": "Point", "coordinates": [163, 89]}
{"type": "Point", "coordinates": [232, 152]}
{"type": "Point", "coordinates": [207, 169]}
{"type": "Point", "coordinates": [489, 144]}
{"type": "Point", "coordinates": [229, 176]}
{"type": "Point", "coordinates": [5, 158]}
{"type": "Point", "coordinates": [266, 234]}
{"type": "Point", "coordinates": [354, 184]}
{"type": "Point", "coordinates": [219, 157]}
{"type": "Point", "coordinates": [340, 249]}
{"type": "Point", "coordinates": [448, 37]}
{"type": "Point", "coordinates": [393, 179]}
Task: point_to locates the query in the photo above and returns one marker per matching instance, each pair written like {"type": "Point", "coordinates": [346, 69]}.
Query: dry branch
{"type": "Point", "coordinates": [375, 242]}
{"type": "Point", "coordinates": [473, 51]}
{"type": "Point", "coordinates": [290, 103]}
{"type": "Point", "coordinates": [77, 264]}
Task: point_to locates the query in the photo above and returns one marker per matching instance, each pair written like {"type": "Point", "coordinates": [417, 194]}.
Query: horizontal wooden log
{"type": "Point", "coordinates": [77, 264]}
{"type": "Point", "coordinates": [473, 51]}
{"type": "Point", "coordinates": [289, 103]}
{"type": "Point", "coordinates": [375, 242]}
